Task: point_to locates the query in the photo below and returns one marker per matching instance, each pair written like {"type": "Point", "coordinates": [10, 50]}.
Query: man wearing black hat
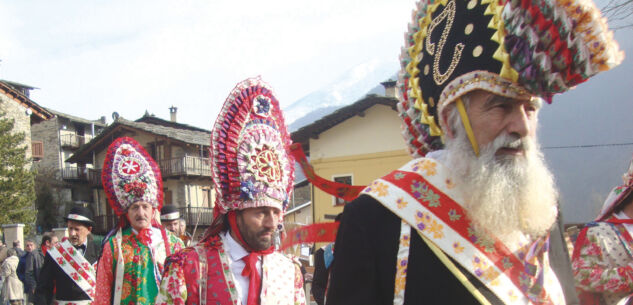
{"type": "Point", "coordinates": [170, 218]}
{"type": "Point", "coordinates": [473, 219]}
{"type": "Point", "coordinates": [67, 275]}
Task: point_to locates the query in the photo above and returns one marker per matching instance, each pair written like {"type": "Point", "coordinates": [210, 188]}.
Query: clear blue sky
{"type": "Point", "coordinates": [90, 58]}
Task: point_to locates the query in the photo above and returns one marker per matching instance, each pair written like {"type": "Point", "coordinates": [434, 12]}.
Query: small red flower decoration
{"type": "Point", "coordinates": [136, 188]}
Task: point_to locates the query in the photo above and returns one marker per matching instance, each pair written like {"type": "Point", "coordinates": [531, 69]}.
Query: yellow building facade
{"type": "Point", "coordinates": [365, 145]}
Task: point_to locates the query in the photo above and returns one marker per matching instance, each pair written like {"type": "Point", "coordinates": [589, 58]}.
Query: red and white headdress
{"type": "Point", "coordinates": [250, 150]}
{"type": "Point", "coordinates": [617, 195]}
{"type": "Point", "coordinates": [130, 175]}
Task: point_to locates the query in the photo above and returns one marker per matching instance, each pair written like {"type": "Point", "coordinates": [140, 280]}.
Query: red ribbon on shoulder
{"type": "Point", "coordinates": [315, 233]}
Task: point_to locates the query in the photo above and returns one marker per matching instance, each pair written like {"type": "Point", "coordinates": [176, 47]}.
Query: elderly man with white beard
{"type": "Point", "coordinates": [472, 218]}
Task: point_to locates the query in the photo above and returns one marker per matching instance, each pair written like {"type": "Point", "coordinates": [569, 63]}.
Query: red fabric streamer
{"type": "Point", "coordinates": [318, 232]}
{"type": "Point", "coordinates": [336, 189]}
{"type": "Point", "coordinates": [250, 269]}
{"type": "Point", "coordinates": [145, 236]}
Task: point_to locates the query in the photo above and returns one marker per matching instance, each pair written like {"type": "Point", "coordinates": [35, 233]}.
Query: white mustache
{"type": "Point", "coordinates": [511, 142]}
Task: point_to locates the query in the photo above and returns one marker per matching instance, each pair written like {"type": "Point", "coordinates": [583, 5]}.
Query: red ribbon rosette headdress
{"type": "Point", "coordinates": [130, 175]}
{"type": "Point", "coordinates": [250, 150]}
{"type": "Point", "coordinates": [617, 195]}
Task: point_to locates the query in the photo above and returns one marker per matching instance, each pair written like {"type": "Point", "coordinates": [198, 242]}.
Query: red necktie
{"type": "Point", "coordinates": [250, 268]}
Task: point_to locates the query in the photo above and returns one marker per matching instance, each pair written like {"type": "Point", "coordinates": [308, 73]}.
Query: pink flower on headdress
{"type": "Point", "coordinates": [135, 188]}
{"type": "Point", "coordinates": [126, 152]}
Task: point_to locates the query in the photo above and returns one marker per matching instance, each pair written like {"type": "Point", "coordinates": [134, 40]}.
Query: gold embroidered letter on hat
{"type": "Point", "coordinates": [449, 14]}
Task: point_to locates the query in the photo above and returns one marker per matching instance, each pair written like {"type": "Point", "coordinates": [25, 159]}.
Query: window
{"type": "Point", "coordinates": [345, 179]}
{"type": "Point", "coordinates": [168, 196]}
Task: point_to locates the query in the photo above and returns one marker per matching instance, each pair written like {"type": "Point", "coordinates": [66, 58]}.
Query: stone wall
{"type": "Point", "coordinates": [48, 133]}
{"type": "Point", "coordinates": [301, 195]}
{"type": "Point", "coordinates": [22, 121]}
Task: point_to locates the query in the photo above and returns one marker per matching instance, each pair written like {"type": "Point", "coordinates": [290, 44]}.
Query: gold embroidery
{"type": "Point", "coordinates": [449, 14]}
{"type": "Point", "coordinates": [426, 70]}
{"type": "Point", "coordinates": [472, 4]}
{"type": "Point", "coordinates": [469, 29]}
{"type": "Point", "coordinates": [491, 81]}
{"type": "Point", "coordinates": [477, 51]}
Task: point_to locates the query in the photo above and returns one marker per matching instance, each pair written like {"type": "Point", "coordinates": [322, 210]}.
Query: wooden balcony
{"type": "Point", "coordinates": [203, 216]}
{"type": "Point", "coordinates": [73, 140]}
{"type": "Point", "coordinates": [94, 177]}
{"type": "Point", "coordinates": [185, 166]}
{"type": "Point", "coordinates": [75, 173]}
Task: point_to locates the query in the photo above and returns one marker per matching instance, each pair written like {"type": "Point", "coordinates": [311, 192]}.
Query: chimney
{"type": "Point", "coordinates": [390, 88]}
{"type": "Point", "coordinates": [173, 111]}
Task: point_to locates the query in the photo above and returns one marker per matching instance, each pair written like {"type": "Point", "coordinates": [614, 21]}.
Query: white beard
{"type": "Point", "coordinates": [509, 196]}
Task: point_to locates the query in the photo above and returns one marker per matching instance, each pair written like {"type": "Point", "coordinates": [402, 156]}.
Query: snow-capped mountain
{"type": "Point", "coordinates": [348, 88]}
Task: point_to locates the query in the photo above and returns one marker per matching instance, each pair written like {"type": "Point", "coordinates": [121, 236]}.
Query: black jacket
{"type": "Point", "coordinates": [33, 265]}
{"type": "Point", "coordinates": [319, 280]}
{"type": "Point", "coordinates": [364, 267]}
{"type": "Point", "coordinates": [54, 283]}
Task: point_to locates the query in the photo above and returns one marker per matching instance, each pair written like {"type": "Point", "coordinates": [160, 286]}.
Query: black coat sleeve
{"type": "Point", "coordinates": [364, 268]}
{"type": "Point", "coordinates": [352, 277]}
{"type": "Point", "coordinates": [319, 281]}
{"type": "Point", "coordinates": [29, 272]}
{"type": "Point", "coordinates": [45, 287]}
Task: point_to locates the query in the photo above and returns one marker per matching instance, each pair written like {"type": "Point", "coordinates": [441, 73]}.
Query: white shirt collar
{"type": "Point", "coordinates": [236, 250]}
{"type": "Point", "coordinates": [621, 215]}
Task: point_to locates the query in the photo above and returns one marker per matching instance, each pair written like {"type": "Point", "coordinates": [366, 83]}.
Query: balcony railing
{"type": "Point", "coordinates": [201, 215]}
{"type": "Point", "coordinates": [187, 166]}
{"type": "Point", "coordinates": [37, 149]}
{"type": "Point", "coordinates": [94, 176]}
{"type": "Point", "coordinates": [104, 223]}
{"type": "Point", "coordinates": [75, 173]}
{"type": "Point", "coordinates": [73, 140]}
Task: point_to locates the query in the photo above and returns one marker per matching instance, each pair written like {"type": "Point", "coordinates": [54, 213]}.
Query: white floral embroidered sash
{"type": "Point", "coordinates": [73, 263]}
{"type": "Point", "coordinates": [422, 194]}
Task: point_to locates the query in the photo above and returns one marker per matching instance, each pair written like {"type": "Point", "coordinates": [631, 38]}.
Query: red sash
{"type": "Point", "coordinates": [411, 193]}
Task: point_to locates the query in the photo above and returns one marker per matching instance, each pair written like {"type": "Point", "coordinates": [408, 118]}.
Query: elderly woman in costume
{"type": "Point", "coordinates": [236, 261]}
{"type": "Point", "coordinates": [130, 268]}
{"type": "Point", "coordinates": [469, 222]}
{"type": "Point", "coordinates": [603, 257]}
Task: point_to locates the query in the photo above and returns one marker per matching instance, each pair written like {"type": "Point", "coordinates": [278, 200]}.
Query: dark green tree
{"type": "Point", "coordinates": [17, 192]}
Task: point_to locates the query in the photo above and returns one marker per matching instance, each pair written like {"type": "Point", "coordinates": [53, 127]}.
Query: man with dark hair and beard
{"type": "Point", "coordinates": [468, 221]}
{"type": "Point", "coordinates": [236, 261]}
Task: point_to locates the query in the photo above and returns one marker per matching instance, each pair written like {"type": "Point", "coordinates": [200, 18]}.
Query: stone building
{"type": "Point", "coordinates": [61, 136]}
{"type": "Point", "coordinates": [16, 104]}
{"type": "Point", "coordinates": [182, 153]}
